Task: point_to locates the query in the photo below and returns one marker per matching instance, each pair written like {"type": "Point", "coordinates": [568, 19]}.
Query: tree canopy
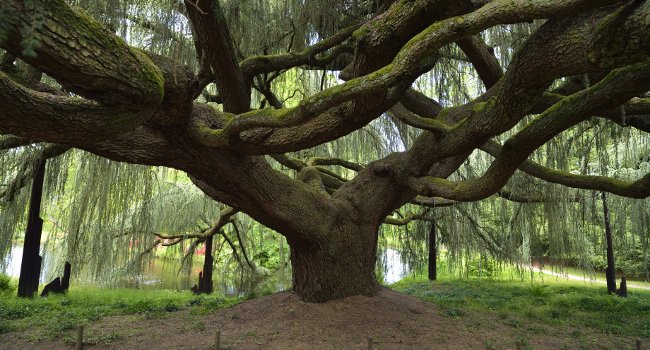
{"type": "Point", "coordinates": [320, 119]}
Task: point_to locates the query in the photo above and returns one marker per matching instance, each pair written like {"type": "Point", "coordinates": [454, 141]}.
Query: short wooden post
{"type": "Point", "coordinates": [80, 338]}
{"type": "Point", "coordinates": [638, 345]}
{"type": "Point", "coordinates": [370, 343]}
{"type": "Point", "coordinates": [217, 341]}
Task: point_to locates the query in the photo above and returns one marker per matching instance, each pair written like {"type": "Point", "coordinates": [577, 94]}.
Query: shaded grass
{"type": "Point", "coordinates": [554, 303]}
{"type": "Point", "coordinates": [51, 317]}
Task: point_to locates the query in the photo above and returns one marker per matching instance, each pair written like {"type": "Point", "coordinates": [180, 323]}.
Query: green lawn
{"type": "Point", "coordinates": [552, 302]}
{"type": "Point", "coordinates": [50, 317]}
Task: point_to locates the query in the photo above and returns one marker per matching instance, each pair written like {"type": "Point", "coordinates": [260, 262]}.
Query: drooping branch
{"type": "Point", "coordinates": [482, 232]}
{"type": "Point", "coordinates": [225, 216]}
{"type": "Point", "coordinates": [235, 226]}
{"type": "Point", "coordinates": [26, 170]}
{"type": "Point", "coordinates": [335, 161]}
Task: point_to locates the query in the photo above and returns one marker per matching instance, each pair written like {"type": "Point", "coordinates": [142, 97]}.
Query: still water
{"type": "Point", "coordinates": [162, 273]}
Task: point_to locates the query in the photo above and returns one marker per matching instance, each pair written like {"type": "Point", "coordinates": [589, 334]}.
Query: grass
{"type": "Point", "coordinates": [52, 317]}
{"type": "Point", "coordinates": [556, 303]}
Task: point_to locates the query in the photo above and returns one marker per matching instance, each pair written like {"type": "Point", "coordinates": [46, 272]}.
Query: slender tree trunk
{"type": "Point", "coordinates": [433, 253]}
{"type": "Point", "coordinates": [610, 273]}
{"type": "Point", "coordinates": [342, 266]}
{"type": "Point", "coordinates": [65, 281]}
{"type": "Point", "coordinates": [207, 267]}
{"type": "Point", "coordinates": [30, 267]}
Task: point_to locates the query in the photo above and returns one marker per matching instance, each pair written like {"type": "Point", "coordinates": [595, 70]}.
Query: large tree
{"type": "Point", "coordinates": [134, 106]}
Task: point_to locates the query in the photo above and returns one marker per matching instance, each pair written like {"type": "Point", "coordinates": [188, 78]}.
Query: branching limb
{"type": "Point", "coordinates": [633, 189]}
{"type": "Point", "coordinates": [271, 63]}
{"type": "Point", "coordinates": [225, 216]}
{"type": "Point", "coordinates": [614, 90]}
{"type": "Point", "coordinates": [263, 131]}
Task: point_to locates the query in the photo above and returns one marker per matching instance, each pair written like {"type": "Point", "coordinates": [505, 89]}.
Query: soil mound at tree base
{"type": "Point", "coordinates": [391, 319]}
{"type": "Point", "coordinates": [283, 321]}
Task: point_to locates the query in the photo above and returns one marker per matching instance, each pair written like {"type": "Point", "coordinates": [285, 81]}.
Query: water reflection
{"type": "Point", "coordinates": [162, 273]}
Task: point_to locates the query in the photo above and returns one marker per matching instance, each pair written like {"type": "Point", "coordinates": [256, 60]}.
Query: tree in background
{"type": "Point", "coordinates": [72, 82]}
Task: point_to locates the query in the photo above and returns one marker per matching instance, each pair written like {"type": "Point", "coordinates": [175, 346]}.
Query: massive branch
{"type": "Point", "coordinates": [615, 89]}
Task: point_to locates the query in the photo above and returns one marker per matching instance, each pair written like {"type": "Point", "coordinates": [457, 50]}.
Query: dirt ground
{"type": "Point", "coordinates": [282, 321]}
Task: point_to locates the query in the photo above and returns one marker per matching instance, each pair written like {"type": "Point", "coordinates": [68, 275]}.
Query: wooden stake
{"type": "Point", "coordinates": [217, 341]}
{"type": "Point", "coordinates": [80, 338]}
{"type": "Point", "coordinates": [638, 344]}
{"type": "Point", "coordinates": [369, 343]}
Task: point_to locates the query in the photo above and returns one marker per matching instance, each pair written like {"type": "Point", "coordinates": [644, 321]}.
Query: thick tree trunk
{"type": "Point", "coordinates": [433, 253]}
{"type": "Point", "coordinates": [341, 267]}
{"type": "Point", "coordinates": [30, 267]}
{"type": "Point", "coordinates": [610, 272]}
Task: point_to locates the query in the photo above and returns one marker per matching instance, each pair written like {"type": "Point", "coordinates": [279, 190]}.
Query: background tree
{"type": "Point", "coordinates": [587, 62]}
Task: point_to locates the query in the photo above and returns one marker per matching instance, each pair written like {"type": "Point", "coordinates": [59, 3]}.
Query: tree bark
{"type": "Point", "coordinates": [208, 263]}
{"type": "Point", "coordinates": [30, 267]}
{"type": "Point", "coordinates": [343, 266]}
{"type": "Point", "coordinates": [610, 273]}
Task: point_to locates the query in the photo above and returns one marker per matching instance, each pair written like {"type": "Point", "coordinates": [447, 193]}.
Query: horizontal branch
{"type": "Point", "coordinates": [60, 119]}
{"type": "Point", "coordinates": [391, 220]}
{"type": "Point", "coordinates": [633, 189]}
{"type": "Point", "coordinates": [271, 63]}
{"type": "Point", "coordinates": [224, 218]}
{"type": "Point", "coordinates": [10, 142]}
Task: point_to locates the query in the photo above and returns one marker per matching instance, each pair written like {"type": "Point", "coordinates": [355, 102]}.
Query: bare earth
{"type": "Point", "coordinates": [282, 321]}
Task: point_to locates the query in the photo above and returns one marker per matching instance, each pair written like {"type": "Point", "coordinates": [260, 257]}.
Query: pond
{"type": "Point", "coordinates": [160, 273]}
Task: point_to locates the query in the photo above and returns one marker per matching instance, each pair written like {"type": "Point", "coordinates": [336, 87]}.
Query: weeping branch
{"type": "Point", "coordinates": [482, 232]}
{"type": "Point", "coordinates": [26, 170]}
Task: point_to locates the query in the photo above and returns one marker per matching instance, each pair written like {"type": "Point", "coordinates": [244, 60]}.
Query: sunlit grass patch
{"type": "Point", "coordinates": [552, 302]}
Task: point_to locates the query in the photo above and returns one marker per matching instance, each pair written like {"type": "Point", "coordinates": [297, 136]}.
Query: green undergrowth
{"type": "Point", "coordinates": [555, 303]}
{"type": "Point", "coordinates": [52, 317]}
